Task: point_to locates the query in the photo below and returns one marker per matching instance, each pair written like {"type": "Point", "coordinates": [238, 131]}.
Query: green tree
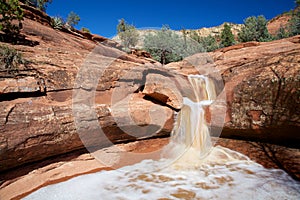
{"type": "Point", "coordinates": [73, 19]}
{"type": "Point", "coordinates": [11, 11]}
{"type": "Point", "coordinates": [255, 29]}
{"type": "Point", "coordinates": [168, 46]}
{"type": "Point", "coordinates": [209, 43]}
{"type": "Point", "coordinates": [128, 34]}
{"type": "Point", "coordinates": [227, 37]}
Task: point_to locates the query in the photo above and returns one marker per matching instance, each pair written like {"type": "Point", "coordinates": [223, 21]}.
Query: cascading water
{"type": "Point", "coordinates": [201, 172]}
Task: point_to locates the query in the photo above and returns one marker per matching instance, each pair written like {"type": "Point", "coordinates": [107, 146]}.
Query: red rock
{"type": "Point", "coordinates": [277, 22]}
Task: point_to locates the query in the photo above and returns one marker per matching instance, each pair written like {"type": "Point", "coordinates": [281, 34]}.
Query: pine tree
{"type": "Point", "coordinates": [255, 29]}
{"type": "Point", "coordinates": [227, 37]}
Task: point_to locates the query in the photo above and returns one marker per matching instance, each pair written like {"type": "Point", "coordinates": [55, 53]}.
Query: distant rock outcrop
{"type": "Point", "coordinates": [202, 32]}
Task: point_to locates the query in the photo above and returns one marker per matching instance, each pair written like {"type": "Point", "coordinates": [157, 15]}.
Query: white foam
{"type": "Point", "coordinates": [234, 177]}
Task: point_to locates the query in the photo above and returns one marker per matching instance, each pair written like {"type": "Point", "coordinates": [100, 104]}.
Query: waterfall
{"type": "Point", "coordinates": [191, 134]}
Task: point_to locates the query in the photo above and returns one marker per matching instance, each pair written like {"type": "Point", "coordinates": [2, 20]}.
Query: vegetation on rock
{"type": "Point", "coordinates": [85, 30]}
{"type": "Point", "coordinates": [12, 16]}
{"type": "Point", "coordinates": [10, 59]}
{"type": "Point", "coordinates": [57, 23]}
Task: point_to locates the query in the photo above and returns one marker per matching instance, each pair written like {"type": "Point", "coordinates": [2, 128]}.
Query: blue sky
{"type": "Point", "coordinates": [101, 17]}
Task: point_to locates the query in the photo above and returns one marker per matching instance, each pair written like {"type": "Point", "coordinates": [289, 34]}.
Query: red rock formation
{"type": "Point", "coordinates": [277, 22]}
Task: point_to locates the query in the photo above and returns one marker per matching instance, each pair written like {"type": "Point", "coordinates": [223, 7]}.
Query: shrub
{"type": "Point", "coordinates": [11, 11]}
{"type": "Point", "coordinates": [57, 23]}
{"type": "Point", "coordinates": [85, 30]}
{"type": "Point", "coordinates": [227, 37]}
{"type": "Point", "coordinates": [255, 29]}
{"type": "Point", "coordinates": [10, 59]}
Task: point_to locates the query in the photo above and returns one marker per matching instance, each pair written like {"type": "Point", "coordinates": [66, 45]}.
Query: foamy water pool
{"type": "Point", "coordinates": [224, 174]}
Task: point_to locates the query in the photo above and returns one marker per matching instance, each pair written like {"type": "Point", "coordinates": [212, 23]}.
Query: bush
{"type": "Point", "coordinates": [227, 37]}
{"type": "Point", "coordinates": [255, 29]}
{"type": "Point", "coordinates": [85, 30]}
{"type": "Point", "coordinates": [10, 59]}
{"type": "Point", "coordinates": [12, 16]}
{"type": "Point", "coordinates": [57, 23]}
